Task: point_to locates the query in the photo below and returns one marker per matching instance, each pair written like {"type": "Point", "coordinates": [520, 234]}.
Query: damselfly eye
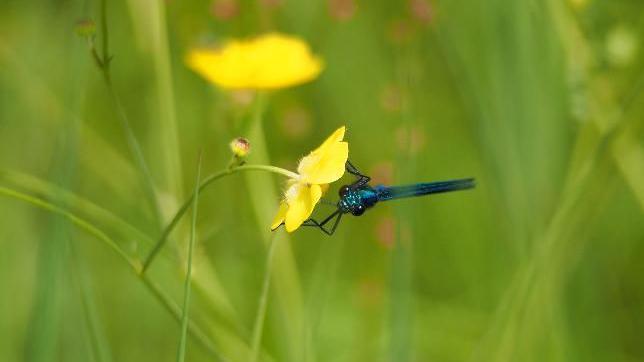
{"type": "Point", "coordinates": [358, 210]}
{"type": "Point", "coordinates": [343, 190]}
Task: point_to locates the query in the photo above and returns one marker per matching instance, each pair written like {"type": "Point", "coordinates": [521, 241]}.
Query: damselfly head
{"type": "Point", "coordinates": [343, 190]}
{"type": "Point", "coordinates": [357, 210]}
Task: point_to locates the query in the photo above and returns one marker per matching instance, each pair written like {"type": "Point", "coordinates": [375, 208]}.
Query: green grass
{"type": "Point", "coordinates": [185, 315]}
{"type": "Point", "coordinates": [541, 262]}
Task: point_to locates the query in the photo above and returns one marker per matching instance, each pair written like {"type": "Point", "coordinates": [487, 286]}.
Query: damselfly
{"type": "Point", "coordinates": [359, 196]}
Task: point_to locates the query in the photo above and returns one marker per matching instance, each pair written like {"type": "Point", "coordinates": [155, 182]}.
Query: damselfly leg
{"type": "Point", "coordinates": [362, 179]}
{"type": "Point", "coordinates": [334, 216]}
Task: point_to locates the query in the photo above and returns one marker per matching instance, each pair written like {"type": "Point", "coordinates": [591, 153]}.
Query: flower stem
{"type": "Point", "coordinates": [103, 62]}
{"type": "Point", "coordinates": [207, 181]}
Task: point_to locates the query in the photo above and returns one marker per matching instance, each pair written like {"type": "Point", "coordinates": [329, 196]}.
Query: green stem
{"type": "Point", "coordinates": [181, 353]}
{"type": "Point", "coordinates": [166, 301]}
{"type": "Point", "coordinates": [105, 62]}
{"type": "Point", "coordinates": [207, 181]}
{"type": "Point", "coordinates": [132, 142]}
{"type": "Point", "coordinates": [261, 308]}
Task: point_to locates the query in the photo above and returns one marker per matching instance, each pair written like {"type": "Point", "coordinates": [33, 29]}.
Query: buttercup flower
{"type": "Point", "coordinates": [269, 61]}
{"type": "Point", "coordinates": [319, 168]}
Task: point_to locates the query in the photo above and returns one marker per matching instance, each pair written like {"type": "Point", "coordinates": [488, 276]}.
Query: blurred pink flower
{"type": "Point", "coordinates": [224, 9]}
{"type": "Point", "coordinates": [296, 122]}
{"type": "Point", "coordinates": [386, 232]}
{"type": "Point", "coordinates": [400, 31]}
{"type": "Point", "coordinates": [410, 140]}
{"type": "Point", "coordinates": [421, 10]}
{"type": "Point", "coordinates": [342, 10]}
{"type": "Point", "coordinates": [369, 293]}
{"type": "Point", "coordinates": [382, 173]}
{"type": "Point", "coordinates": [391, 98]}
{"type": "Point", "coordinates": [271, 4]}
{"type": "Point", "coordinates": [242, 97]}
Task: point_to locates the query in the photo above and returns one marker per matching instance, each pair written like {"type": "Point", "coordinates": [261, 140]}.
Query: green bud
{"type": "Point", "coordinates": [240, 147]}
{"type": "Point", "coordinates": [85, 28]}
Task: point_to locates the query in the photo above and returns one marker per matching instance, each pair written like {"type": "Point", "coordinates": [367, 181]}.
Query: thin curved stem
{"type": "Point", "coordinates": [103, 63]}
{"type": "Point", "coordinates": [207, 181]}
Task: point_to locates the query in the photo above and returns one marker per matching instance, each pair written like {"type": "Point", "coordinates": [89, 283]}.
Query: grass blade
{"type": "Point", "coordinates": [75, 203]}
{"type": "Point", "coordinates": [152, 35]}
{"type": "Point", "coordinates": [288, 290]}
{"type": "Point", "coordinates": [132, 141]}
{"type": "Point", "coordinates": [90, 228]}
{"type": "Point", "coordinates": [96, 337]}
{"type": "Point", "coordinates": [186, 293]}
{"type": "Point", "coordinates": [74, 219]}
{"type": "Point", "coordinates": [261, 307]}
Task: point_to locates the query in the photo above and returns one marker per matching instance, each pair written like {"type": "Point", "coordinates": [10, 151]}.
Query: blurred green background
{"type": "Point", "coordinates": [541, 101]}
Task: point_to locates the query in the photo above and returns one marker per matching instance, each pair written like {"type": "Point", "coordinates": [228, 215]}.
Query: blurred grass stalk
{"type": "Point", "coordinates": [258, 328]}
{"type": "Point", "coordinates": [47, 315]}
{"type": "Point", "coordinates": [401, 290]}
{"type": "Point", "coordinates": [206, 281]}
{"type": "Point", "coordinates": [94, 327]}
{"type": "Point", "coordinates": [103, 61]}
{"type": "Point", "coordinates": [517, 120]}
{"type": "Point", "coordinates": [149, 20]}
{"type": "Point", "coordinates": [134, 263]}
{"type": "Point", "coordinates": [185, 315]}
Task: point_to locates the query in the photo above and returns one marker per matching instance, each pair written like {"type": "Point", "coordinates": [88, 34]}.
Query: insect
{"type": "Point", "coordinates": [359, 196]}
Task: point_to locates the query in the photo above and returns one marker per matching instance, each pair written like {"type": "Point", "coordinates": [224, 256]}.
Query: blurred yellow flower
{"type": "Point", "coordinates": [319, 168]}
{"type": "Point", "coordinates": [269, 61]}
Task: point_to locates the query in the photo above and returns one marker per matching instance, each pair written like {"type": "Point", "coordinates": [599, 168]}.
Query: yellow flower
{"type": "Point", "coordinates": [269, 61]}
{"type": "Point", "coordinates": [319, 168]}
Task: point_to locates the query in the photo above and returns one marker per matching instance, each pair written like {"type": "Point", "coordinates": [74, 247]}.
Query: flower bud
{"type": "Point", "coordinates": [240, 147]}
{"type": "Point", "coordinates": [85, 28]}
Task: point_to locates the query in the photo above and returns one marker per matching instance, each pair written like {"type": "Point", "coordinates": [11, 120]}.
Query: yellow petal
{"type": "Point", "coordinates": [270, 61]}
{"type": "Point", "coordinates": [335, 137]}
{"type": "Point", "coordinates": [325, 167]}
{"type": "Point", "coordinates": [280, 216]}
{"type": "Point", "coordinates": [301, 203]}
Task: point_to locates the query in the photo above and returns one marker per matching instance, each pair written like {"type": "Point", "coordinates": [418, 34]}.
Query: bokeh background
{"type": "Point", "coordinates": [540, 100]}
